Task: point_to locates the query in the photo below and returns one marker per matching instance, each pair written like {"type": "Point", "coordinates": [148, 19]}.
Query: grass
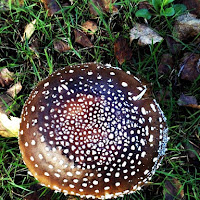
{"type": "Point", "coordinates": [183, 122]}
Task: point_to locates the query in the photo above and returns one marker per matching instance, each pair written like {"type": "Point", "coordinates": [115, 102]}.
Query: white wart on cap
{"type": "Point", "coordinates": [92, 130]}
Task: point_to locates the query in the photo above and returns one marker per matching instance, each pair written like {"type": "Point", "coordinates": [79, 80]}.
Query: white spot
{"type": "Point", "coordinates": [117, 174]}
{"type": "Point", "coordinates": [151, 138]}
{"type": "Point", "coordinates": [71, 186]}
{"type": "Point", "coordinates": [33, 108]}
{"type": "Point", "coordinates": [69, 174]}
{"type": "Point", "coordinates": [90, 73]}
{"type": "Point", "coordinates": [84, 184]}
{"type": "Point", "coordinates": [57, 175]}
{"type": "Point", "coordinates": [143, 154]}
{"type": "Point", "coordinates": [124, 84]}
{"type": "Point", "coordinates": [75, 180]}
{"type": "Point", "coordinates": [46, 173]}
{"type": "Point", "coordinates": [132, 173]}
{"type": "Point", "coordinates": [33, 142]}
{"type": "Point", "coordinates": [106, 188]}
{"type": "Point", "coordinates": [106, 180]}
{"type": "Point", "coordinates": [78, 172]}
{"type": "Point", "coordinates": [31, 158]}
{"type": "Point", "coordinates": [153, 107]}
{"type": "Point", "coordinates": [112, 73]}
{"type": "Point", "coordinates": [95, 182]}
{"type": "Point", "coordinates": [71, 71]}
{"type": "Point", "coordinates": [139, 96]}
{"type": "Point", "coordinates": [40, 156]}
{"type": "Point", "coordinates": [26, 144]}
{"type": "Point", "coordinates": [51, 166]}
{"type": "Point", "coordinates": [117, 184]}
{"type": "Point", "coordinates": [133, 147]}
{"type": "Point", "coordinates": [146, 172]}
{"type": "Point", "coordinates": [46, 84]}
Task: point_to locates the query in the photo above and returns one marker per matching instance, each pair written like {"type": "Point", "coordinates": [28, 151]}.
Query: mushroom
{"type": "Point", "coordinates": [92, 130]}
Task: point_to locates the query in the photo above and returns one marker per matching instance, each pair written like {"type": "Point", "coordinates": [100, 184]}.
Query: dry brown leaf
{"type": "Point", "coordinates": [144, 34]}
{"type": "Point", "coordinates": [188, 101]}
{"type": "Point", "coordinates": [103, 5]}
{"type": "Point", "coordinates": [51, 5]}
{"type": "Point", "coordinates": [89, 27]}
{"type": "Point", "coordinates": [144, 5]}
{"type": "Point", "coordinates": [122, 50]}
{"type": "Point", "coordinates": [193, 6]}
{"type": "Point", "coordinates": [29, 30]}
{"type": "Point", "coordinates": [61, 46]}
{"type": "Point", "coordinates": [14, 90]}
{"type": "Point", "coordinates": [193, 152]}
{"type": "Point", "coordinates": [82, 39]}
{"type": "Point", "coordinates": [166, 64]}
{"type": "Point", "coordinates": [6, 77]}
{"type": "Point", "coordinates": [186, 26]}
{"type": "Point", "coordinates": [172, 189]}
{"type": "Point", "coordinates": [174, 47]}
{"type": "Point", "coordinates": [190, 67]}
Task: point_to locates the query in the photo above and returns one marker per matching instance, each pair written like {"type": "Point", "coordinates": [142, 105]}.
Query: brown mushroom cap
{"type": "Point", "coordinates": [92, 130]}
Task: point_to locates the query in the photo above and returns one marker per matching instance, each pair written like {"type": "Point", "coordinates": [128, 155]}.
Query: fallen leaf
{"type": "Point", "coordinates": [89, 27]}
{"type": "Point", "coordinates": [51, 5]}
{"type": "Point", "coordinates": [193, 152]}
{"type": "Point", "coordinates": [6, 77]}
{"type": "Point", "coordinates": [166, 64]}
{"type": "Point", "coordinates": [173, 46]}
{"type": "Point", "coordinates": [34, 47]}
{"type": "Point", "coordinates": [193, 6]}
{"type": "Point", "coordinates": [105, 6]}
{"type": "Point", "coordinates": [186, 26]}
{"type": "Point", "coordinates": [9, 127]}
{"type": "Point", "coordinates": [82, 39]}
{"type": "Point", "coordinates": [61, 46]}
{"type": "Point", "coordinates": [173, 190]}
{"type": "Point", "coordinates": [29, 30]}
{"type": "Point", "coordinates": [190, 67]}
{"type": "Point", "coordinates": [144, 5]}
{"type": "Point", "coordinates": [14, 90]}
{"type": "Point", "coordinates": [122, 50]}
{"type": "Point", "coordinates": [188, 101]}
{"type": "Point", "coordinates": [145, 35]}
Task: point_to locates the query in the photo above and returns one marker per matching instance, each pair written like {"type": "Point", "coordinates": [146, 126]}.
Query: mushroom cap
{"type": "Point", "coordinates": [92, 130]}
